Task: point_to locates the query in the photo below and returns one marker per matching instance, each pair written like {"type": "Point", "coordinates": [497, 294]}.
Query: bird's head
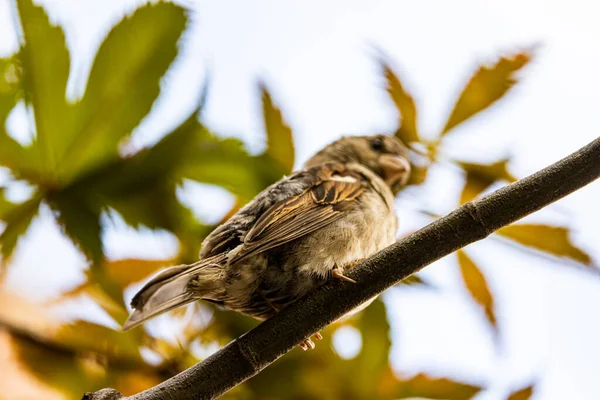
{"type": "Point", "coordinates": [382, 154]}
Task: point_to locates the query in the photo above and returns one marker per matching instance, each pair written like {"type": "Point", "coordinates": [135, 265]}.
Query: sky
{"type": "Point", "coordinates": [318, 59]}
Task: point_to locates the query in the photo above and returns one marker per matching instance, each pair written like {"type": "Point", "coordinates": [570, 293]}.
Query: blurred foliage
{"type": "Point", "coordinates": [75, 163]}
{"type": "Point", "coordinates": [522, 394]}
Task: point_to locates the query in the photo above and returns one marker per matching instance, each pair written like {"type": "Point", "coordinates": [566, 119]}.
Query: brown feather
{"type": "Point", "coordinates": [302, 214]}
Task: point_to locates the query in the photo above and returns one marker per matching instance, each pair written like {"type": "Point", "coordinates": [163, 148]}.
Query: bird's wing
{"type": "Point", "coordinates": [324, 202]}
{"type": "Point", "coordinates": [230, 234]}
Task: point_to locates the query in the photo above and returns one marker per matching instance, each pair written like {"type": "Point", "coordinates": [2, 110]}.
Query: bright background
{"type": "Point", "coordinates": [317, 58]}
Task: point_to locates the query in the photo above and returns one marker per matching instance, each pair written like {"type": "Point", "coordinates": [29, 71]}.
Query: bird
{"type": "Point", "coordinates": [307, 228]}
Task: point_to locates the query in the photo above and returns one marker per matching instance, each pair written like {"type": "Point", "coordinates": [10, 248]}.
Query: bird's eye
{"type": "Point", "coordinates": [377, 144]}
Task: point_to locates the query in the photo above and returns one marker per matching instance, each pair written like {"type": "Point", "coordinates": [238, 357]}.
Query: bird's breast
{"type": "Point", "coordinates": [364, 231]}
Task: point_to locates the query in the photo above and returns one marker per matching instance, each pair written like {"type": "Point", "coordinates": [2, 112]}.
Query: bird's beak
{"type": "Point", "coordinates": [396, 170]}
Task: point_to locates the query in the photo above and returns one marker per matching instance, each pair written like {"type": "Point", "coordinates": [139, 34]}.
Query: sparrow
{"type": "Point", "coordinates": [298, 233]}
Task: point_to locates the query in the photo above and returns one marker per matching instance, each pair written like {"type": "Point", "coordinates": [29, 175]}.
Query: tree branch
{"type": "Point", "coordinates": [255, 350]}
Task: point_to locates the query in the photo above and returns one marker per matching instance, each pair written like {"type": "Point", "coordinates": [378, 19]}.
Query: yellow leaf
{"type": "Point", "coordinates": [127, 271]}
{"type": "Point", "coordinates": [406, 107]}
{"type": "Point", "coordinates": [480, 176]}
{"type": "Point", "coordinates": [485, 87]}
{"type": "Point", "coordinates": [280, 143]}
{"type": "Point", "coordinates": [418, 174]}
{"type": "Point", "coordinates": [523, 394]}
{"type": "Point", "coordinates": [477, 286]}
{"type": "Point", "coordinates": [425, 386]}
{"type": "Point", "coordinates": [549, 239]}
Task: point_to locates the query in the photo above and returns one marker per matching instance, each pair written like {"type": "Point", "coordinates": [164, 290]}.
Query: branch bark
{"type": "Point", "coordinates": [255, 350]}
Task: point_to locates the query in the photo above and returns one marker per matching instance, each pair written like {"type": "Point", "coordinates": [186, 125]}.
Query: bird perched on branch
{"type": "Point", "coordinates": [311, 226]}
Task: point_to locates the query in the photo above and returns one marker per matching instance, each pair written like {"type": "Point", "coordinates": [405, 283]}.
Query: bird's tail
{"type": "Point", "coordinates": [175, 287]}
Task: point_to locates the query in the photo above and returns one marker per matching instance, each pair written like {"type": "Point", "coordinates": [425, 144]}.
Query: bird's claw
{"type": "Point", "coordinates": [308, 343]}
{"type": "Point", "coordinates": [336, 273]}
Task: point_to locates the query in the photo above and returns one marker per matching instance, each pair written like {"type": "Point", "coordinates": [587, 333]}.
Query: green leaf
{"type": "Point", "coordinates": [485, 87]}
{"type": "Point", "coordinates": [23, 162]}
{"type": "Point", "coordinates": [10, 82]}
{"type": "Point", "coordinates": [553, 240]}
{"type": "Point", "coordinates": [481, 176]}
{"type": "Point", "coordinates": [226, 163]}
{"type": "Point", "coordinates": [80, 222]}
{"type": "Point", "coordinates": [45, 62]}
{"type": "Point", "coordinates": [280, 143]}
{"type": "Point", "coordinates": [123, 84]}
{"type": "Point", "coordinates": [427, 387]}
{"type": "Point", "coordinates": [522, 394]}
{"type": "Point", "coordinates": [374, 326]}
{"type": "Point", "coordinates": [17, 218]}
{"type": "Point", "coordinates": [477, 286]}
{"type": "Point", "coordinates": [405, 104]}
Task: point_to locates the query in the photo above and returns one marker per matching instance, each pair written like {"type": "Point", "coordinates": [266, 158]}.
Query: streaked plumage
{"type": "Point", "coordinates": [293, 236]}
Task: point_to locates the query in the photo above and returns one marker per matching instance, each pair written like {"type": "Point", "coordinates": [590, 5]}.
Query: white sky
{"type": "Point", "coordinates": [317, 57]}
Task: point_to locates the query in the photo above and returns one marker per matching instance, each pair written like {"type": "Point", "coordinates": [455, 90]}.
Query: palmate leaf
{"type": "Point", "coordinates": [280, 144]}
{"type": "Point", "coordinates": [225, 162]}
{"type": "Point", "coordinates": [45, 61]}
{"type": "Point", "coordinates": [477, 285]}
{"type": "Point", "coordinates": [485, 87]}
{"type": "Point", "coordinates": [481, 176]}
{"type": "Point", "coordinates": [553, 240]}
{"type": "Point", "coordinates": [123, 84]}
{"type": "Point", "coordinates": [21, 160]}
{"type": "Point", "coordinates": [17, 218]}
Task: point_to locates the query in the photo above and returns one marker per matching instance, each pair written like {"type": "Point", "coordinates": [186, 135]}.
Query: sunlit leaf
{"type": "Point", "coordinates": [549, 239]}
{"type": "Point", "coordinates": [127, 271]}
{"type": "Point", "coordinates": [17, 218]}
{"type": "Point", "coordinates": [418, 174]}
{"type": "Point", "coordinates": [22, 161]}
{"type": "Point", "coordinates": [522, 394]}
{"type": "Point", "coordinates": [481, 176]}
{"type": "Point", "coordinates": [84, 336]}
{"type": "Point", "coordinates": [226, 163]}
{"type": "Point", "coordinates": [123, 84]}
{"type": "Point", "coordinates": [141, 188]}
{"type": "Point", "coordinates": [407, 132]}
{"type": "Point", "coordinates": [485, 87]}
{"type": "Point", "coordinates": [427, 387]}
{"type": "Point", "coordinates": [10, 82]}
{"type": "Point", "coordinates": [477, 286]}
{"type": "Point", "coordinates": [280, 144]}
{"type": "Point", "coordinates": [54, 366]}
{"type": "Point", "coordinates": [45, 62]}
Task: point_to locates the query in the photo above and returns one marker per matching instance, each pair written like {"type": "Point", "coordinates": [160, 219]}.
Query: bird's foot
{"type": "Point", "coordinates": [308, 343]}
{"type": "Point", "coordinates": [336, 273]}
{"type": "Point", "coordinates": [354, 263]}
